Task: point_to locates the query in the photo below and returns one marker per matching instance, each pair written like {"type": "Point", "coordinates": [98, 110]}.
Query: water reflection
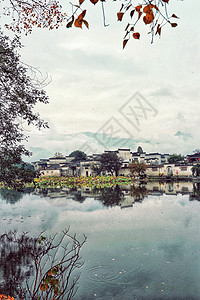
{"type": "Point", "coordinates": [146, 252]}
{"type": "Point", "coordinates": [13, 196]}
{"type": "Point", "coordinates": [118, 195]}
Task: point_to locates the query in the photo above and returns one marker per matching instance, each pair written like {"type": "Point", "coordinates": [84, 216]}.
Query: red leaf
{"type": "Point", "coordinates": [121, 7]}
{"type": "Point", "coordinates": [120, 16]}
{"type": "Point", "coordinates": [175, 16]}
{"type": "Point", "coordinates": [132, 13]}
{"type": "Point", "coordinates": [81, 1]}
{"type": "Point", "coordinates": [94, 1]}
{"type": "Point", "coordinates": [128, 6]}
{"type": "Point", "coordinates": [127, 26]}
{"type": "Point", "coordinates": [136, 35]}
{"type": "Point", "coordinates": [70, 23]}
{"type": "Point", "coordinates": [158, 29]}
{"type": "Point", "coordinates": [165, 1]}
{"type": "Point", "coordinates": [173, 24]}
{"type": "Point", "coordinates": [124, 43]}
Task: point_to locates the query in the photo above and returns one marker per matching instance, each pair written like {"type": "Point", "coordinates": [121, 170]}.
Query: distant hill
{"type": "Point", "coordinates": [89, 142]}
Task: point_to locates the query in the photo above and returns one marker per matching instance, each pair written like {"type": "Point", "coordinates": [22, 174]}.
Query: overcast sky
{"type": "Point", "coordinates": [93, 80]}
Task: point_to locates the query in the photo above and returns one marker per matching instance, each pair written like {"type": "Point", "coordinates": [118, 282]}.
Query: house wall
{"type": "Point", "coordinates": [50, 173]}
{"type": "Point", "coordinates": [170, 169]}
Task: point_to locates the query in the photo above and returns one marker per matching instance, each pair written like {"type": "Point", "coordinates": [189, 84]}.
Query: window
{"type": "Point", "coordinates": [154, 169]}
{"type": "Point", "coordinates": [183, 168]}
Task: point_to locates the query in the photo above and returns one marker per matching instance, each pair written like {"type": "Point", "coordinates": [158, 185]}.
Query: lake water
{"type": "Point", "coordinates": [142, 242]}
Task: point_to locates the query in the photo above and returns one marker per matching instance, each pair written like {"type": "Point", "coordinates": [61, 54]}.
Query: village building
{"type": "Point", "coordinates": [157, 164]}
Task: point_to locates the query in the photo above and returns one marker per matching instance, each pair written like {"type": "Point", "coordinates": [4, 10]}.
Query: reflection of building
{"type": "Point", "coordinates": [121, 195]}
{"type": "Point", "coordinates": [172, 188]}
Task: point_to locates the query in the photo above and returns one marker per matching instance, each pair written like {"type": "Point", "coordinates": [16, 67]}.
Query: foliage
{"type": "Point", "coordinates": [196, 170]}
{"type": "Point", "coordinates": [3, 297]}
{"type": "Point", "coordinates": [99, 181]}
{"type": "Point", "coordinates": [50, 261]}
{"type": "Point", "coordinates": [138, 192]}
{"type": "Point", "coordinates": [173, 158]}
{"type": "Point", "coordinates": [58, 155]}
{"type": "Point", "coordinates": [78, 155]}
{"type": "Point", "coordinates": [25, 15]}
{"type": "Point", "coordinates": [111, 196]}
{"type": "Point", "coordinates": [96, 168]}
{"type": "Point", "coordinates": [18, 96]}
{"type": "Point", "coordinates": [137, 168]}
{"type": "Point", "coordinates": [139, 150]}
{"type": "Point", "coordinates": [110, 162]}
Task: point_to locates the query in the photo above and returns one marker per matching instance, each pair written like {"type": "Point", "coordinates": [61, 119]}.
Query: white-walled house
{"type": "Point", "coordinates": [54, 170]}
{"type": "Point", "coordinates": [179, 170]}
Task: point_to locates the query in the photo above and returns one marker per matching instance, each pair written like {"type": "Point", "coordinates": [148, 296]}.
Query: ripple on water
{"type": "Point", "coordinates": [106, 274]}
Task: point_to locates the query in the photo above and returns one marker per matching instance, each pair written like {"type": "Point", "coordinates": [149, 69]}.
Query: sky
{"type": "Point", "coordinates": [148, 93]}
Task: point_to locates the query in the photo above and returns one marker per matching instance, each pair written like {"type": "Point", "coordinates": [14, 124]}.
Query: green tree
{"type": "Point", "coordinates": [110, 162]}
{"type": "Point", "coordinates": [78, 155]}
{"type": "Point", "coordinates": [174, 158]}
{"type": "Point", "coordinates": [18, 96]}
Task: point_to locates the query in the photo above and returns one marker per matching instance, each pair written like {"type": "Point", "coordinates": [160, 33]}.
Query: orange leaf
{"type": "Point", "coordinates": [148, 18]}
{"type": "Point", "coordinates": [139, 14]}
{"type": "Point", "coordinates": [124, 43]}
{"type": "Point", "coordinates": [81, 1]}
{"type": "Point", "coordinates": [120, 16]}
{"type": "Point", "coordinates": [136, 35]}
{"type": "Point", "coordinates": [94, 1]}
{"type": "Point", "coordinates": [147, 9]}
{"type": "Point", "coordinates": [78, 23]}
{"type": "Point", "coordinates": [86, 23]}
{"type": "Point", "coordinates": [43, 287]}
{"type": "Point", "coordinates": [138, 7]}
{"type": "Point", "coordinates": [82, 15]}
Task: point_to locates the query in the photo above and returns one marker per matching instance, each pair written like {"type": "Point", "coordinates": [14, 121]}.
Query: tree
{"type": "Point", "coordinates": [40, 267]}
{"type": "Point", "coordinates": [25, 15]}
{"type": "Point", "coordinates": [111, 196]}
{"type": "Point", "coordinates": [138, 192]}
{"type": "Point", "coordinates": [58, 155]}
{"type": "Point", "coordinates": [174, 158]}
{"type": "Point", "coordinates": [137, 168]}
{"type": "Point", "coordinates": [96, 168]}
{"type": "Point", "coordinates": [196, 170]}
{"type": "Point", "coordinates": [110, 162]}
{"type": "Point", "coordinates": [78, 155]}
{"type": "Point", "coordinates": [18, 96]}
{"type": "Point", "coordinates": [139, 150]}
